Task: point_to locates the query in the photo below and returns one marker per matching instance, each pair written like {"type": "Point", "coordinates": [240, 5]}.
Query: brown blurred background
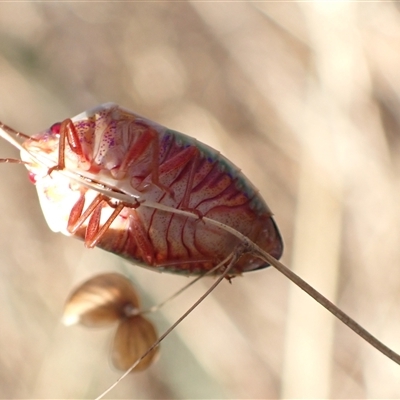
{"type": "Point", "coordinates": [305, 98]}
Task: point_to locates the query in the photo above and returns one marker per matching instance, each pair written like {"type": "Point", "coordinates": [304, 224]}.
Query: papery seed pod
{"type": "Point", "coordinates": [101, 300]}
{"type": "Point", "coordinates": [133, 337]}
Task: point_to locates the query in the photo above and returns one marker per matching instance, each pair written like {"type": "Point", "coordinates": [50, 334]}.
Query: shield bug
{"type": "Point", "coordinates": [155, 197]}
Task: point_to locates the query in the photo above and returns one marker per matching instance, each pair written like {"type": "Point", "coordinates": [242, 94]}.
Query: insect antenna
{"type": "Point", "coordinates": [11, 131]}
{"type": "Point", "coordinates": [12, 161]}
{"type": "Point", "coordinates": [7, 134]}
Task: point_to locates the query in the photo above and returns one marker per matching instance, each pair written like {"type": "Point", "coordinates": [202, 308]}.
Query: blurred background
{"type": "Point", "coordinates": [305, 98]}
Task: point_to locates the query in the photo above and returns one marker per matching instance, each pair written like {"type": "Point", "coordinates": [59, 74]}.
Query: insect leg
{"type": "Point", "coordinates": [145, 139]}
{"type": "Point", "coordinates": [67, 133]}
{"type": "Point", "coordinates": [187, 156]}
{"type": "Point", "coordinates": [142, 239]}
{"type": "Point", "coordinates": [76, 218]}
{"type": "Point", "coordinates": [171, 169]}
{"type": "Point", "coordinates": [93, 230]}
{"type": "Point", "coordinates": [148, 137]}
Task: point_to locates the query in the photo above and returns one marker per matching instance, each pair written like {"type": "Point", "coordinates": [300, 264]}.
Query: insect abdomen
{"type": "Point", "coordinates": [192, 177]}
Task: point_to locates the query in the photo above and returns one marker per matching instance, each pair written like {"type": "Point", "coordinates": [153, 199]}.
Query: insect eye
{"type": "Point", "coordinates": [55, 128]}
{"type": "Point", "coordinates": [32, 177]}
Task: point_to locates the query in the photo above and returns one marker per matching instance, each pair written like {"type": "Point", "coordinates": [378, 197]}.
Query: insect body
{"type": "Point", "coordinates": [123, 154]}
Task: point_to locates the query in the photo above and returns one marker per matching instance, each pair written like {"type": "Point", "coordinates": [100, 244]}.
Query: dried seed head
{"type": "Point", "coordinates": [101, 300]}
{"type": "Point", "coordinates": [133, 337]}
